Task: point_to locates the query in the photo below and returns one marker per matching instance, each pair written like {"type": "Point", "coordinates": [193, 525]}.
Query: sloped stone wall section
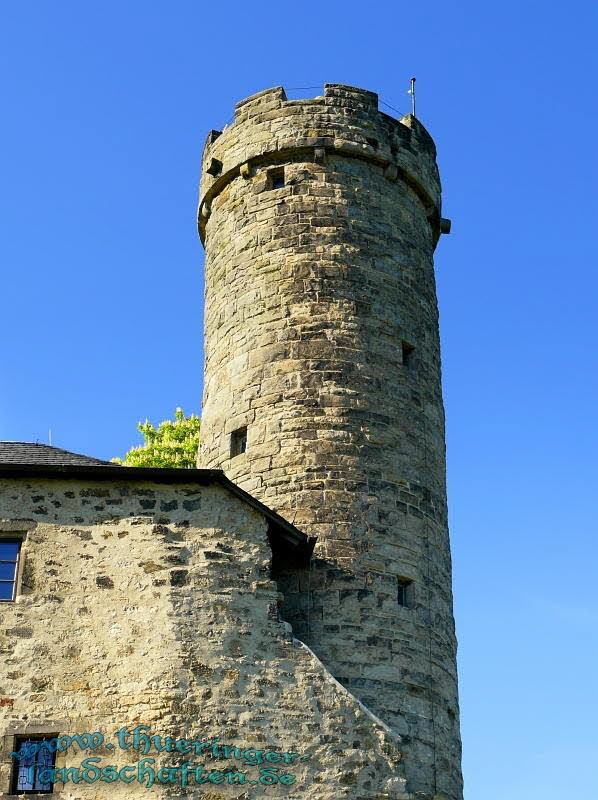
{"type": "Point", "coordinates": [320, 218]}
{"type": "Point", "coordinates": [148, 604]}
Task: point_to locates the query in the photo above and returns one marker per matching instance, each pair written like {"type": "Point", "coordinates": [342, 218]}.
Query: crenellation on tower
{"type": "Point", "coordinates": [268, 127]}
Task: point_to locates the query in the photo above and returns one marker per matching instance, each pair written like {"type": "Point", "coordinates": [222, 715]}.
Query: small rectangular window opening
{"type": "Point", "coordinates": [238, 442]}
{"type": "Point", "coordinates": [9, 562]}
{"type": "Point", "coordinates": [276, 178]}
{"type": "Point", "coordinates": [30, 773]}
{"type": "Point", "coordinates": [405, 592]}
{"type": "Point", "coordinates": [407, 354]}
{"type": "Point", "coordinates": [214, 167]}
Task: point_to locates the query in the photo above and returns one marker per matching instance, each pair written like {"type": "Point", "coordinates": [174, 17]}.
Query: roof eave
{"type": "Point", "coordinates": [288, 535]}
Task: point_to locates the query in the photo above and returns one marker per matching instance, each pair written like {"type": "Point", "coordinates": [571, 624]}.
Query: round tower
{"type": "Point", "coordinates": [322, 390]}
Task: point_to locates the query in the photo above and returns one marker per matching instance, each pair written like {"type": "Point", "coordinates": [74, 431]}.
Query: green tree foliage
{"type": "Point", "coordinates": [173, 443]}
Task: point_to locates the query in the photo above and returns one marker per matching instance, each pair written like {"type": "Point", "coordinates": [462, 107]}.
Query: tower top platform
{"type": "Point", "coordinates": [344, 120]}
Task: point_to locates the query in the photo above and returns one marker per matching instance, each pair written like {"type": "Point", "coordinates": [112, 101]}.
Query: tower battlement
{"type": "Point", "coordinates": [346, 121]}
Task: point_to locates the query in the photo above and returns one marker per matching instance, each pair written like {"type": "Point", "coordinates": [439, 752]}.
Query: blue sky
{"type": "Point", "coordinates": [106, 106]}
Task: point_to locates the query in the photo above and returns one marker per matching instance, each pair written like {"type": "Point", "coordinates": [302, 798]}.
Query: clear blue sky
{"type": "Point", "coordinates": [105, 109]}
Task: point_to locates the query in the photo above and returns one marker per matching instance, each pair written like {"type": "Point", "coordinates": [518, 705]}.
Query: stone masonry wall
{"type": "Point", "coordinates": [320, 218]}
{"type": "Point", "coordinates": [152, 604]}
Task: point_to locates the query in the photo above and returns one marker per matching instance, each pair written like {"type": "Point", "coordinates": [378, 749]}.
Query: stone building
{"type": "Point", "coordinates": [285, 630]}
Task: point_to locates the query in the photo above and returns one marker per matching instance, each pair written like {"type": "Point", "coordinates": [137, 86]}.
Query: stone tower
{"type": "Point", "coordinates": [322, 391]}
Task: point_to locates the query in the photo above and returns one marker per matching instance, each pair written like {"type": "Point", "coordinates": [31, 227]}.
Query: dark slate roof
{"type": "Point", "coordinates": [45, 455]}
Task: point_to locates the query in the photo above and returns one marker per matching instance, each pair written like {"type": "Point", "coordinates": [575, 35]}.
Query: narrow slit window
{"type": "Point", "coordinates": [276, 178]}
{"type": "Point", "coordinates": [407, 351]}
{"type": "Point", "coordinates": [238, 442]}
{"type": "Point", "coordinates": [405, 592]}
{"type": "Point", "coordinates": [32, 772]}
{"type": "Point", "coordinates": [10, 550]}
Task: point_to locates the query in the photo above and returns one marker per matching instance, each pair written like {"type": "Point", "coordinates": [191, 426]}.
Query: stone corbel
{"type": "Point", "coordinates": [205, 212]}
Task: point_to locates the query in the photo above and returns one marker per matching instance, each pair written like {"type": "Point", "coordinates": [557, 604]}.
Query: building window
{"type": "Point", "coordinates": [407, 354]}
{"type": "Point", "coordinates": [31, 774]}
{"type": "Point", "coordinates": [9, 562]}
{"type": "Point", "coordinates": [238, 442]}
{"type": "Point", "coordinates": [276, 178]}
{"type": "Point", "coordinates": [405, 592]}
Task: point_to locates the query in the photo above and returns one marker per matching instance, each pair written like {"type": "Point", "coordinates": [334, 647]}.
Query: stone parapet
{"type": "Point", "coordinates": [268, 128]}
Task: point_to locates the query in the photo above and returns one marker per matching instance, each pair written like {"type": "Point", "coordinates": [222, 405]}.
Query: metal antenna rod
{"type": "Point", "coordinates": [412, 93]}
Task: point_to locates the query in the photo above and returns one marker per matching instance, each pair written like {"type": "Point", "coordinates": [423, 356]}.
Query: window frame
{"type": "Point", "coordinates": [405, 590]}
{"type": "Point", "coordinates": [276, 178]}
{"type": "Point", "coordinates": [18, 742]}
{"type": "Point", "coordinates": [18, 574]}
{"type": "Point", "coordinates": [238, 441]}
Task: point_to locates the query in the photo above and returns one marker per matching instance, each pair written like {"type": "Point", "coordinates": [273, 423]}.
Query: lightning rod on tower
{"type": "Point", "coordinates": [411, 91]}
